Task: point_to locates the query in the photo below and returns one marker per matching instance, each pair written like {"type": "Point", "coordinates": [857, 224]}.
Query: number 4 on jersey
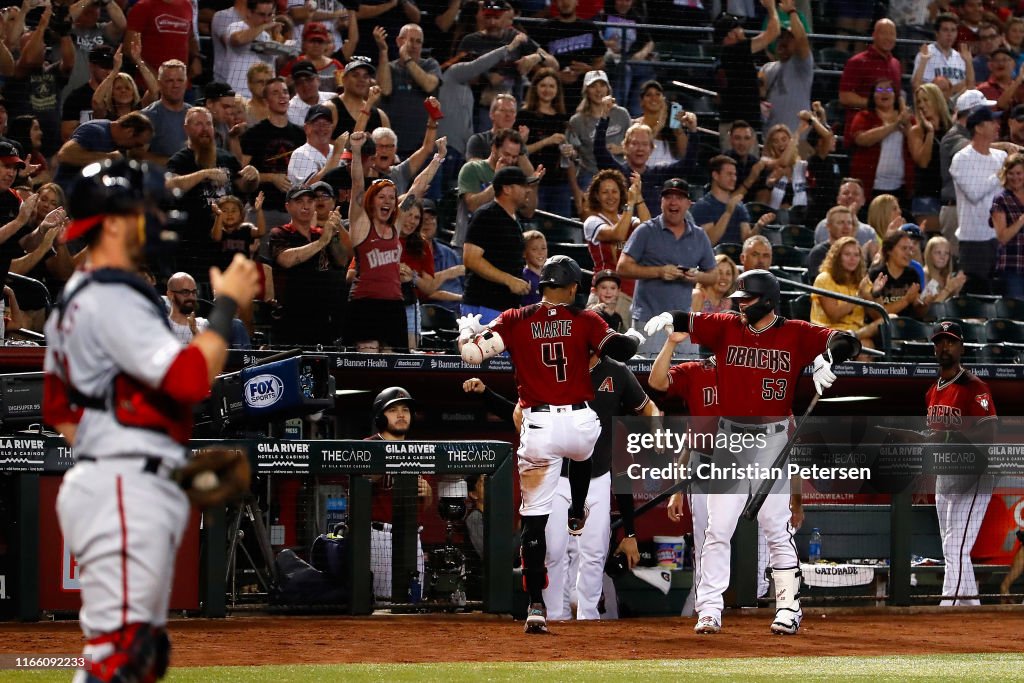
{"type": "Point", "coordinates": [553, 356]}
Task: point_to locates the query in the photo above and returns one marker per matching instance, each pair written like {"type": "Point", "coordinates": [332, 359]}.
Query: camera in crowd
{"type": "Point", "coordinates": [446, 569]}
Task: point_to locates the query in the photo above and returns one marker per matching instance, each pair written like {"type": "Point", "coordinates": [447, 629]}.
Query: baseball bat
{"type": "Point", "coordinates": [675, 488]}
{"type": "Point", "coordinates": [755, 502]}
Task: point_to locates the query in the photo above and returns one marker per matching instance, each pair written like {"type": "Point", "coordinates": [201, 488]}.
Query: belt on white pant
{"type": "Point", "coordinates": [150, 464]}
{"type": "Point", "coordinates": [548, 408]}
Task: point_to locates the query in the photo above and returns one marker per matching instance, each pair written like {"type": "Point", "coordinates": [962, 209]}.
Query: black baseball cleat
{"type": "Point", "coordinates": [537, 619]}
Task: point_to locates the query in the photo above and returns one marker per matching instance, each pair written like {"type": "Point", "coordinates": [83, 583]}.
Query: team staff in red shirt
{"type": "Point", "coordinates": [550, 344]}
{"type": "Point", "coordinates": [760, 355]}
{"type": "Point", "coordinates": [959, 402]}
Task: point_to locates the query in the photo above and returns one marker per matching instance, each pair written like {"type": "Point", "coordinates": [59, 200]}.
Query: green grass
{"type": "Point", "coordinates": [967, 667]}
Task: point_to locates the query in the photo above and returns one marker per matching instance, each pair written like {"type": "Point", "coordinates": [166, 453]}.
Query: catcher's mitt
{"type": "Point", "coordinates": [215, 476]}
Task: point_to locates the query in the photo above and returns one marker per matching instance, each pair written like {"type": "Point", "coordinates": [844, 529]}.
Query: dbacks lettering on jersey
{"type": "Point", "coordinates": [773, 360]}
{"type": "Point", "coordinates": [710, 395]}
{"type": "Point", "coordinates": [947, 416]}
{"type": "Point", "coordinates": [551, 328]}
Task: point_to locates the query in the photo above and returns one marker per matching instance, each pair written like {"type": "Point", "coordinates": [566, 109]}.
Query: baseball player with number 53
{"type": "Point", "coordinates": [760, 356]}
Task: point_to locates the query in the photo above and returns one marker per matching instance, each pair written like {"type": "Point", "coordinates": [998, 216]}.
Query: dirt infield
{"type": "Point", "coordinates": [256, 640]}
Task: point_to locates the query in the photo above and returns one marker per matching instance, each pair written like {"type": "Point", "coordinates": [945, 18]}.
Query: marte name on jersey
{"type": "Point", "coordinates": [551, 328]}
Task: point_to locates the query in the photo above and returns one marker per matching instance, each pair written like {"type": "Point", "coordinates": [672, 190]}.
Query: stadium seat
{"type": "Point", "coordinates": [32, 294]}
{"type": "Point", "coordinates": [730, 249]}
{"type": "Point", "coordinates": [830, 56]}
{"type": "Point", "coordinates": [557, 229]}
{"type": "Point", "coordinates": [791, 274]}
{"type": "Point", "coordinates": [794, 235]}
{"type": "Point", "coordinates": [937, 311]}
{"type": "Point", "coordinates": [974, 332]}
{"type": "Point", "coordinates": [577, 252]}
{"type": "Point", "coordinates": [999, 354]}
{"type": "Point", "coordinates": [786, 256]}
{"type": "Point", "coordinates": [772, 233]}
{"type": "Point", "coordinates": [999, 330]}
{"type": "Point", "coordinates": [915, 350]}
{"type": "Point", "coordinates": [968, 306]}
{"type": "Point", "coordinates": [438, 328]}
{"type": "Point", "coordinates": [800, 308]}
{"type": "Point", "coordinates": [758, 209]}
{"type": "Point", "coordinates": [908, 329]}
{"type": "Point", "coordinates": [1012, 309]}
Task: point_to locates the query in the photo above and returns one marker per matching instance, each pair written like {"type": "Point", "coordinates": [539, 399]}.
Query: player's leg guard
{"type": "Point", "coordinates": [138, 653]}
{"type": "Point", "coordinates": [579, 487]}
{"type": "Point", "coordinates": [535, 573]}
{"type": "Point", "coordinates": [787, 601]}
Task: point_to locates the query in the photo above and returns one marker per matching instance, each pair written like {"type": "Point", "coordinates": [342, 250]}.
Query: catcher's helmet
{"type": "Point", "coordinates": [125, 188]}
{"type": "Point", "coordinates": [560, 271]}
{"type": "Point", "coordinates": [758, 283]}
{"type": "Point", "coordinates": [385, 400]}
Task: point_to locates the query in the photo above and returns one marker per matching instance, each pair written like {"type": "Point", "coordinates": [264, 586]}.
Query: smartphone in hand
{"type": "Point", "coordinates": [673, 115]}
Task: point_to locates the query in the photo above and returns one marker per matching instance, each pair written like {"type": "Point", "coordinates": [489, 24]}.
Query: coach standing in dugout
{"type": "Point", "coordinates": [550, 344]}
{"type": "Point", "coordinates": [760, 357]}
{"type": "Point", "coordinates": [960, 409]}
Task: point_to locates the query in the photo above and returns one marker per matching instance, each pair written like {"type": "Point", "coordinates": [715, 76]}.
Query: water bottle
{"type": "Point", "coordinates": [415, 590]}
{"type": "Point", "coordinates": [337, 511]}
{"type": "Point", "coordinates": [814, 547]}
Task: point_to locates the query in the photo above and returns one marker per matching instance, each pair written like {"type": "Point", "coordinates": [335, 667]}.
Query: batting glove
{"type": "Point", "coordinates": [823, 375]}
{"type": "Point", "coordinates": [633, 333]}
{"type": "Point", "coordinates": [659, 322]}
{"type": "Point", "coordinates": [469, 327]}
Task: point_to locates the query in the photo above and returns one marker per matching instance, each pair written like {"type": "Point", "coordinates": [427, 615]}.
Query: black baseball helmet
{"type": "Point", "coordinates": [560, 271]}
{"type": "Point", "coordinates": [758, 283]}
{"type": "Point", "coordinates": [385, 400]}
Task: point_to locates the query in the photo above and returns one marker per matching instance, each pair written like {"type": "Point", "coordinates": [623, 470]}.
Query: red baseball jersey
{"type": "Point", "coordinates": [758, 369]}
{"type": "Point", "coordinates": [550, 347]}
{"type": "Point", "coordinates": [696, 382]}
{"type": "Point", "coordinates": [961, 403]}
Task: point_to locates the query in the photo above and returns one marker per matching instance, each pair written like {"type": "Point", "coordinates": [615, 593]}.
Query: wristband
{"type": "Point", "coordinates": [631, 534]}
{"type": "Point", "coordinates": [221, 315]}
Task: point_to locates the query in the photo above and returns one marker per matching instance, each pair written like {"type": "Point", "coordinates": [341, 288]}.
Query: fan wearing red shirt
{"type": "Point", "coordinates": [760, 356]}
{"type": "Point", "coordinates": [550, 344]}
{"type": "Point", "coordinates": [165, 28]}
{"type": "Point", "coordinates": [959, 403]}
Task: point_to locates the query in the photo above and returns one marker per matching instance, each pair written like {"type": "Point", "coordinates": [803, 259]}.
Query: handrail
{"type": "Point", "coordinates": [885, 329]}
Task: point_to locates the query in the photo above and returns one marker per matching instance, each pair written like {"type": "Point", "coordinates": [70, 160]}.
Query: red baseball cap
{"type": "Point", "coordinates": [315, 30]}
{"type": "Point", "coordinates": [9, 155]}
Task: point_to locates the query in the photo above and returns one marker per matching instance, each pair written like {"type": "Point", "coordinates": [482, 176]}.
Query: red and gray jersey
{"type": "Point", "coordinates": [758, 369]}
{"type": "Point", "coordinates": [550, 347]}
{"type": "Point", "coordinates": [110, 330]}
{"type": "Point", "coordinates": [696, 383]}
{"type": "Point", "coordinates": [960, 403]}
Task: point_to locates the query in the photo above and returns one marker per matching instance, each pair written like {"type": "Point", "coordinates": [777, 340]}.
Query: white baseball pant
{"type": "Point", "coordinates": [545, 438]}
{"type": "Point", "coordinates": [724, 512]}
{"type": "Point", "coordinates": [380, 561]}
{"type": "Point", "coordinates": [960, 516]}
{"type": "Point", "coordinates": [586, 572]}
{"type": "Point", "coordinates": [124, 526]}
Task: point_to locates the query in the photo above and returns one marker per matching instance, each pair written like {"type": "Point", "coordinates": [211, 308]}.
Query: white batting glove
{"type": "Point", "coordinates": [823, 375]}
{"type": "Point", "coordinates": [659, 322]}
{"type": "Point", "coordinates": [469, 326]}
{"type": "Point", "coordinates": [636, 335]}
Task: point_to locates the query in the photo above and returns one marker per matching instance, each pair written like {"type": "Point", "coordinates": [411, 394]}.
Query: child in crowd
{"type": "Point", "coordinates": [606, 289]}
{"type": "Point", "coordinates": [535, 253]}
{"type": "Point", "coordinates": [229, 230]}
{"type": "Point", "coordinates": [715, 298]}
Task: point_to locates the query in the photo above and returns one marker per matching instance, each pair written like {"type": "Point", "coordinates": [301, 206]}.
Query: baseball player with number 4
{"type": "Point", "coordinates": [120, 388]}
{"type": "Point", "coordinates": [550, 345]}
{"type": "Point", "coordinates": [760, 356]}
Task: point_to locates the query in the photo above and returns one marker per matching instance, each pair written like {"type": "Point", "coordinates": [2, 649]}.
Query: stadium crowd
{"type": "Point", "coordinates": [392, 162]}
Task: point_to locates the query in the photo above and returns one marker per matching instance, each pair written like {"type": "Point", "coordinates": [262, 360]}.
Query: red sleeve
{"type": "Point", "coordinates": [187, 379]}
{"type": "Point", "coordinates": [138, 17]}
{"type": "Point", "coordinates": [864, 120]}
{"type": "Point", "coordinates": [502, 325]}
{"type": "Point", "coordinates": [56, 406]}
{"type": "Point", "coordinates": [598, 331]}
{"type": "Point", "coordinates": [980, 402]}
{"type": "Point", "coordinates": [707, 330]}
{"type": "Point", "coordinates": [848, 82]}
{"type": "Point", "coordinates": [811, 340]}
{"type": "Point", "coordinates": [678, 379]}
